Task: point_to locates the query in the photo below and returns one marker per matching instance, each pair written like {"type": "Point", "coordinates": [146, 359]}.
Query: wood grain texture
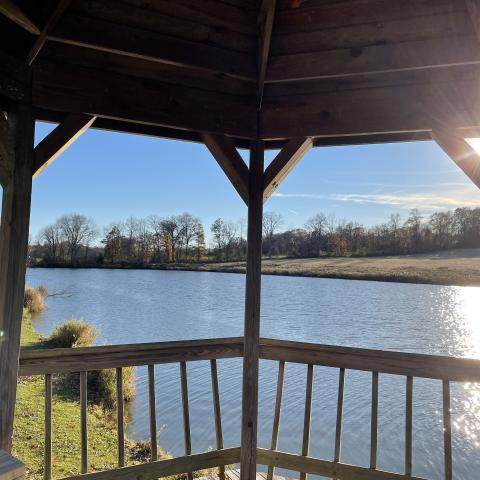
{"type": "Point", "coordinates": [63, 360]}
{"type": "Point", "coordinates": [277, 413]}
{"type": "Point", "coordinates": [10, 467]}
{"type": "Point", "coordinates": [285, 161]}
{"type": "Point", "coordinates": [325, 468]}
{"type": "Point", "coordinates": [252, 313]}
{"type": "Point", "coordinates": [408, 425]}
{"type": "Point", "coordinates": [13, 259]}
{"type": "Point", "coordinates": [307, 420]}
{"type": "Point", "coordinates": [397, 363]}
{"type": "Point", "coordinates": [47, 472]}
{"type": "Point", "coordinates": [57, 141]}
{"type": "Point", "coordinates": [230, 161]}
{"type": "Point", "coordinates": [460, 151]}
{"type": "Point", "coordinates": [12, 11]}
{"type": "Point", "coordinates": [164, 468]}
{"type": "Point", "coordinates": [217, 413]}
{"type": "Point", "coordinates": [83, 423]}
{"type": "Point", "coordinates": [152, 404]}
{"type": "Point", "coordinates": [120, 419]}
{"type": "Point", "coordinates": [186, 413]}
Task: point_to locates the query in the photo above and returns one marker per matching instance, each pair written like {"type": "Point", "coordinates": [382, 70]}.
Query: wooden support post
{"type": "Point", "coordinates": [17, 187]}
{"type": "Point", "coordinates": [252, 314]}
{"type": "Point", "coordinates": [460, 151]}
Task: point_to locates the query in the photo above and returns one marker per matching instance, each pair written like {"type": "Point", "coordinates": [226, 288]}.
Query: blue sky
{"type": "Point", "coordinates": [110, 176]}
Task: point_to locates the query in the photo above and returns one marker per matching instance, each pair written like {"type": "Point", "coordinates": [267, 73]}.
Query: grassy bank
{"type": "Point", "coordinates": [453, 267]}
{"type": "Point", "coordinates": [29, 424]}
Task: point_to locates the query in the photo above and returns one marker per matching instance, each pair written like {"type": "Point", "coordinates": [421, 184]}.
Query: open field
{"type": "Point", "coordinates": [453, 267]}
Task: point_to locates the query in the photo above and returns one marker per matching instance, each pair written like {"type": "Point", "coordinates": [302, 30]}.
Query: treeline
{"type": "Point", "coordinates": [75, 240]}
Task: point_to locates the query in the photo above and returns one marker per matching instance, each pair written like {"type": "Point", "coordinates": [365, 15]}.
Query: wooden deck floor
{"type": "Point", "coordinates": [235, 475]}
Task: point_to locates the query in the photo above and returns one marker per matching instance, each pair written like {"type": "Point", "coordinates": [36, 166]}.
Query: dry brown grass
{"type": "Point", "coordinates": [34, 299]}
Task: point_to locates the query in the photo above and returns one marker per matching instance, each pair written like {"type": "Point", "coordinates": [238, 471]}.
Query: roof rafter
{"type": "Point", "coordinates": [50, 25]}
{"type": "Point", "coordinates": [460, 151]}
{"type": "Point", "coordinates": [265, 20]}
{"type": "Point", "coordinates": [11, 10]}
{"type": "Point", "coordinates": [230, 161]}
{"type": "Point", "coordinates": [284, 163]}
{"type": "Point", "coordinates": [56, 142]}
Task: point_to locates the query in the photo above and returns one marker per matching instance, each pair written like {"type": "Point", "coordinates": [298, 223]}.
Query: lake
{"type": "Point", "coordinates": [129, 306]}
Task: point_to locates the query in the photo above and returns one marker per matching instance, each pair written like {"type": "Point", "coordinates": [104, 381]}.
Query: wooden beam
{"type": "Point", "coordinates": [248, 461]}
{"type": "Point", "coordinates": [70, 88]}
{"type": "Point", "coordinates": [283, 164]}
{"type": "Point", "coordinates": [267, 13]}
{"type": "Point", "coordinates": [14, 80]}
{"type": "Point", "coordinates": [461, 152]}
{"type": "Point", "coordinates": [15, 14]}
{"type": "Point", "coordinates": [10, 467]}
{"type": "Point", "coordinates": [59, 140]}
{"type": "Point", "coordinates": [13, 262]}
{"type": "Point", "coordinates": [473, 8]}
{"type": "Point", "coordinates": [230, 161]}
{"type": "Point", "coordinates": [166, 468]}
{"type": "Point", "coordinates": [120, 39]}
{"type": "Point", "coordinates": [375, 59]}
{"type": "Point", "coordinates": [381, 110]}
{"type": "Point", "coordinates": [6, 150]}
{"type": "Point", "coordinates": [50, 25]}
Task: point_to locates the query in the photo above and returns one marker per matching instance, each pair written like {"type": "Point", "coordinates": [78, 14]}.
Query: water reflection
{"type": "Point", "coordinates": [175, 305]}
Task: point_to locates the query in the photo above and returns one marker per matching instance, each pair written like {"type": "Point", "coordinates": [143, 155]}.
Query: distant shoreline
{"type": "Point", "coordinates": [453, 267]}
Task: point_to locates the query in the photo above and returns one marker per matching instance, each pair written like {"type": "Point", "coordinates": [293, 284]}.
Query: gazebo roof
{"type": "Point", "coordinates": [344, 71]}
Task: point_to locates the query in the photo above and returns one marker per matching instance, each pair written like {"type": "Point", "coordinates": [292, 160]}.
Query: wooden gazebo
{"type": "Point", "coordinates": [271, 74]}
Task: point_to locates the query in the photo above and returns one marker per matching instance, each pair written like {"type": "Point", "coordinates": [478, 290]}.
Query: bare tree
{"type": "Point", "coordinates": [187, 224]}
{"type": "Point", "coordinates": [51, 235]}
{"type": "Point", "coordinates": [271, 223]}
{"type": "Point", "coordinates": [77, 230]}
{"type": "Point", "coordinates": [171, 235]}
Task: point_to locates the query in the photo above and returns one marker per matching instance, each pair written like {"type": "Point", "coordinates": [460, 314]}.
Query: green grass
{"type": "Point", "coordinates": [29, 424]}
{"type": "Point", "coordinates": [28, 438]}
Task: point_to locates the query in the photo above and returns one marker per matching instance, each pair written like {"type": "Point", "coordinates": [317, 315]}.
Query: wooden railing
{"type": "Point", "coordinates": [82, 360]}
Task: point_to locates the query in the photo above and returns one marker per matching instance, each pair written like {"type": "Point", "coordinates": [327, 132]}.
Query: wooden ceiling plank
{"type": "Point", "coordinates": [310, 16]}
{"type": "Point", "coordinates": [230, 161]}
{"type": "Point", "coordinates": [152, 46]}
{"type": "Point", "coordinates": [137, 16]}
{"type": "Point", "coordinates": [267, 14]}
{"type": "Point", "coordinates": [11, 10]}
{"type": "Point", "coordinates": [56, 142]}
{"type": "Point", "coordinates": [375, 59]}
{"type": "Point", "coordinates": [54, 18]}
{"type": "Point", "coordinates": [392, 109]}
{"type": "Point", "coordinates": [460, 151]}
{"type": "Point", "coordinates": [284, 163]}
{"type": "Point", "coordinates": [68, 88]}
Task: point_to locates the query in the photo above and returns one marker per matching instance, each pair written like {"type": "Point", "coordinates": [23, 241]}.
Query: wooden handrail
{"type": "Point", "coordinates": [410, 365]}
{"type": "Point", "coordinates": [397, 363]}
{"type": "Point", "coordinates": [63, 360]}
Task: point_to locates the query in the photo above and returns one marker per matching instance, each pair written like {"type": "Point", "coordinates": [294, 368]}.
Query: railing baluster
{"type": "Point", "coordinates": [153, 412]}
{"type": "Point", "coordinates": [217, 412]}
{"type": "Point", "coordinates": [186, 413]}
{"type": "Point", "coordinates": [408, 425]}
{"type": "Point", "coordinates": [374, 422]}
{"type": "Point", "coordinates": [447, 431]}
{"type": "Point", "coordinates": [83, 422]}
{"type": "Point", "coordinates": [338, 429]}
{"type": "Point", "coordinates": [308, 416]}
{"type": "Point", "coordinates": [47, 474]}
{"type": "Point", "coordinates": [276, 417]}
{"type": "Point", "coordinates": [120, 419]}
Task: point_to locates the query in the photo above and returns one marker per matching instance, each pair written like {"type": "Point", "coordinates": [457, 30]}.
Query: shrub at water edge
{"type": "Point", "coordinates": [102, 384]}
{"type": "Point", "coordinates": [72, 334]}
{"type": "Point", "coordinates": [34, 299]}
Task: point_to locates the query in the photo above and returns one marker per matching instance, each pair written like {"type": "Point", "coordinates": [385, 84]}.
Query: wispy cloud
{"type": "Point", "coordinates": [423, 201]}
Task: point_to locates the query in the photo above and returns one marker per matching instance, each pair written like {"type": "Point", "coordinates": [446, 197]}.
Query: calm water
{"type": "Point", "coordinates": [145, 306]}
